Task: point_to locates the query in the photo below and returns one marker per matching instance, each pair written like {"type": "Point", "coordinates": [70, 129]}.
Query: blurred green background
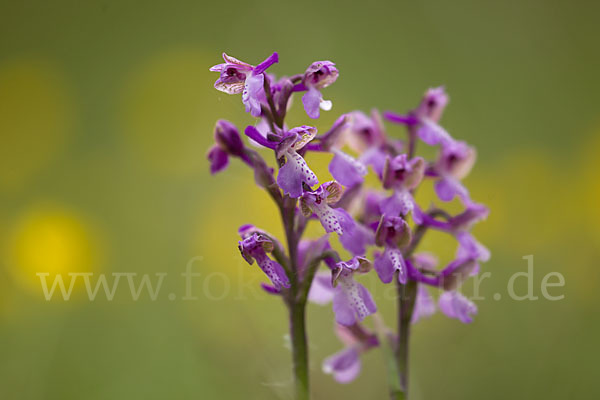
{"type": "Point", "coordinates": [106, 113]}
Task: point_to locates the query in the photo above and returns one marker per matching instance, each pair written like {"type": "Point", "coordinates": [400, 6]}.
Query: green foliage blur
{"type": "Point", "coordinates": [107, 111]}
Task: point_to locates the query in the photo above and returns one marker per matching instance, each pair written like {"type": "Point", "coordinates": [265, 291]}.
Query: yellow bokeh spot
{"type": "Point", "coordinates": [35, 118]}
{"type": "Point", "coordinates": [51, 240]}
{"type": "Point", "coordinates": [166, 115]}
{"type": "Point", "coordinates": [587, 196]}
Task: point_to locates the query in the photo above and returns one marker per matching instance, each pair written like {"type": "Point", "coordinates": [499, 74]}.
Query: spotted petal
{"type": "Point", "coordinates": [352, 302]}
{"type": "Point", "coordinates": [293, 173]}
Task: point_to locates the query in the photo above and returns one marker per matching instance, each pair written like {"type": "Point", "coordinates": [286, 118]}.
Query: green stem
{"type": "Point", "coordinates": [296, 304]}
{"type": "Point", "coordinates": [407, 295]}
{"type": "Point", "coordinates": [299, 350]}
{"type": "Point", "coordinates": [406, 302]}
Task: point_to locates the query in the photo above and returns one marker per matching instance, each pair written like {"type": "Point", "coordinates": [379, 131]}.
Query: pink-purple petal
{"type": "Point", "coordinates": [457, 306]}
{"type": "Point", "coordinates": [433, 134]}
{"type": "Point", "coordinates": [252, 94]}
{"type": "Point", "coordinates": [399, 203]}
{"type": "Point", "coordinates": [424, 304]}
{"type": "Point", "coordinates": [343, 365]}
{"type": "Point", "coordinates": [293, 173]}
{"type": "Point", "coordinates": [347, 170]}
{"type": "Point", "coordinates": [321, 291]}
{"type": "Point", "coordinates": [218, 159]}
{"type": "Point", "coordinates": [311, 101]}
{"type": "Point", "coordinates": [447, 188]}
{"type": "Point", "coordinates": [344, 314]}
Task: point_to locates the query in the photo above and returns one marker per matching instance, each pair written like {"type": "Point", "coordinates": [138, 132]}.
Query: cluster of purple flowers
{"type": "Point", "coordinates": [380, 227]}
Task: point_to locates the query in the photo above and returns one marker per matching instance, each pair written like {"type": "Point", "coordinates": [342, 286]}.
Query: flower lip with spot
{"type": "Point", "coordinates": [388, 262]}
{"type": "Point", "coordinates": [352, 302]}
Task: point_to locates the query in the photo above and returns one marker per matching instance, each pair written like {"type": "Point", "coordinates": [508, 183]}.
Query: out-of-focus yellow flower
{"type": "Point", "coordinates": [36, 116]}
{"type": "Point", "coordinates": [588, 193]}
{"type": "Point", "coordinates": [52, 240]}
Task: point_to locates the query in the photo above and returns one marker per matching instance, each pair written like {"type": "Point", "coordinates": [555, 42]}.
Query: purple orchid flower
{"type": "Point", "coordinates": [455, 305]}
{"type": "Point", "coordinates": [427, 116]}
{"type": "Point", "coordinates": [345, 365]}
{"type": "Point", "coordinates": [318, 201]}
{"type": "Point", "coordinates": [295, 172]}
{"type": "Point", "coordinates": [352, 302]}
{"type": "Point", "coordinates": [401, 175]}
{"type": "Point", "coordinates": [239, 77]}
{"type": "Point", "coordinates": [470, 249]}
{"type": "Point", "coordinates": [227, 143]}
{"type": "Point", "coordinates": [353, 236]}
{"type": "Point", "coordinates": [318, 75]}
{"type": "Point", "coordinates": [366, 136]}
{"type": "Point", "coordinates": [455, 162]}
{"type": "Point", "coordinates": [433, 104]}
{"type": "Point", "coordinates": [255, 246]}
{"type": "Point", "coordinates": [392, 233]}
{"type": "Point", "coordinates": [364, 132]}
